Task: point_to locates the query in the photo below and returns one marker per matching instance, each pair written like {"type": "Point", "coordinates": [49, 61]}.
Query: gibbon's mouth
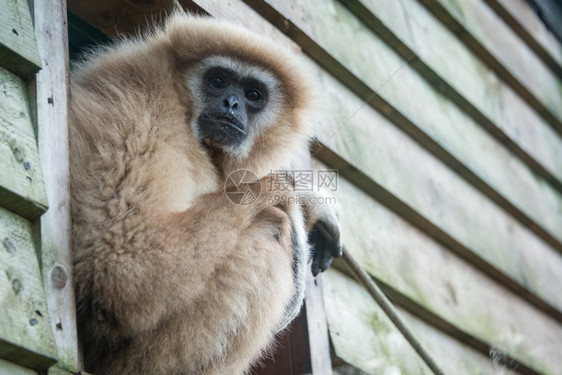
{"type": "Point", "coordinates": [221, 129]}
{"type": "Point", "coordinates": [229, 120]}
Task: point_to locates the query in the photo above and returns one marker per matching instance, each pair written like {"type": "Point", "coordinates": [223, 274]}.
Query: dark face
{"type": "Point", "coordinates": [230, 104]}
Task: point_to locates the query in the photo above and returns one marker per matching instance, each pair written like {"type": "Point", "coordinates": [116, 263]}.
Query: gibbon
{"type": "Point", "coordinates": [172, 276]}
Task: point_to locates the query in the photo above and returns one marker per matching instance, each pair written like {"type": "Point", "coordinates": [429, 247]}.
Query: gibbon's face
{"type": "Point", "coordinates": [236, 101]}
{"type": "Point", "coordinates": [231, 101]}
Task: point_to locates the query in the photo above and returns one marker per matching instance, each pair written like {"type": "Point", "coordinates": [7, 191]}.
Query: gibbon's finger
{"type": "Point", "coordinates": [324, 252]}
{"type": "Point", "coordinates": [315, 267]}
{"type": "Point", "coordinates": [313, 238]}
{"type": "Point", "coordinates": [325, 263]}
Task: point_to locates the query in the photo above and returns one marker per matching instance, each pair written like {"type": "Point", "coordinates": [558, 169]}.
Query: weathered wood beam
{"type": "Point", "coordinates": [365, 337]}
{"type": "Point", "coordinates": [55, 225]}
{"type": "Point", "coordinates": [421, 276]}
{"type": "Point", "coordinates": [21, 179]}
{"type": "Point", "coordinates": [318, 340]}
{"type": "Point", "coordinates": [464, 79]}
{"type": "Point", "coordinates": [479, 28]}
{"type": "Point", "coordinates": [18, 51]}
{"type": "Point", "coordinates": [25, 332]}
{"type": "Point", "coordinates": [529, 27]}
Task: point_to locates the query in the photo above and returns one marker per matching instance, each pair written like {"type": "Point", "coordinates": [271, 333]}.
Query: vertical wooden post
{"type": "Point", "coordinates": [55, 226]}
{"type": "Point", "coordinates": [320, 358]}
{"type": "Point", "coordinates": [315, 315]}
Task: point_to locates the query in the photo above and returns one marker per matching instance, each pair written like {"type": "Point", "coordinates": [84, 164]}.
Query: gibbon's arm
{"type": "Point", "coordinates": [323, 227]}
{"type": "Point", "coordinates": [321, 214]}
{"type": "Point", "coordinates": [173, 261]}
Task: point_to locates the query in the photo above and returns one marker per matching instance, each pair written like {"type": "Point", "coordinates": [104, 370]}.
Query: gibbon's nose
{"type": "Point", "coordinates": [231, 101]}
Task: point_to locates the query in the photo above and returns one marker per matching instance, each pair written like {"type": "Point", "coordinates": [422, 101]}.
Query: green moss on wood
{"type": "Point", "coordinates": [21, 179]}
{"type": "Point", "coordinates": [18, 49]}
{"type": "Point", "coordinates": [25, 331]}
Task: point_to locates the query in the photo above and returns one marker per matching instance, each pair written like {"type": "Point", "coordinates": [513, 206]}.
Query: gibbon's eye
{"type": "Point", "coordinates": [253, 95]}
{"type": "Point", "coordinates": [217, 82]}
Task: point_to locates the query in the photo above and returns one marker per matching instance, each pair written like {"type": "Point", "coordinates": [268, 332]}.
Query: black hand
{"type": "Point", "coordinates": [325, 241]}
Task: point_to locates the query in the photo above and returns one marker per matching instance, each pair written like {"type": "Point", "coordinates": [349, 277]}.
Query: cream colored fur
{"type": "Point", "coordinates": [171, 277]}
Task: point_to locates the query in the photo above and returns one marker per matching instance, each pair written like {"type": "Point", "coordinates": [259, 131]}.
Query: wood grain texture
{"type": "Point", "coordinates": [25, 334]}
{"type": "Point", "coordinates": [13, 369]}
{"type": "Point", "coordinates": [529, 27]}
{"type": "Point", "coordinates": [18, 51]}
{"type": "Point", "coordinates": [21, 179]}
{"type": "Point", "coordinates": [52, 123]}
{"type": "Point", "coordinates": [490, 38]}
{"type": "Point", "coordinates": [364, 337]}
{"type": "Point", "coordinates": [432, 197]}
{"type": "Point", "coordinates": [424, 278]}
{"type": "Point", "coordinates": [459, 75]}
{"type": "Point", "coordinates": [319, 344]}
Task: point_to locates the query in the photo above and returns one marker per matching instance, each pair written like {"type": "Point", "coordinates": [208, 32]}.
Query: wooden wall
{"type": "Point", "coordinates": [444, 119]}
{"type": "Point", "coordinates": [37, 312]}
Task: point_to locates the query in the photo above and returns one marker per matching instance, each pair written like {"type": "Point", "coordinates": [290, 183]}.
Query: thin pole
{"type": "Point", "coordinates": [380, 298]}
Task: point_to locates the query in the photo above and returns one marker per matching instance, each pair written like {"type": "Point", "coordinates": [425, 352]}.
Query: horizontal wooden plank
{"type": "Point", "coordinates": [13, 369]}
{"type": "Point", "coordinates": [21, 179]}
{"type": "Point", "coordinates": [489, 37]}
{"type": "Point", "coordinates": [477, 91]}
{"type": "Point", "coordinates": [18, 50]}
{"type": "Point", "coordinates": [25, 332]}
{"type": "Point", "coordinates": [427, 193]}
{"type": "Point", "coordinates": [529, 27]}
{"type": "Point", "coordinates": [346, 369]}
{"type": "Point", "coordinates": [432, 197]}
{"type": "Point", "coordinates": [453, 294]}
{"type": "Point", "coordinates": [456, 355]}
{"type": "Point", "coordinates": [364, 337]}
{"type": "Point", "coordinates": [63, 368]}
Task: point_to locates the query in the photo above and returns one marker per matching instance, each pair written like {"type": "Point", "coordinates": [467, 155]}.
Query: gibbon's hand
{"type": "Point", "coordinates": [326, 245]}
{"type": "Point", "coordinates": [323, 235]}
